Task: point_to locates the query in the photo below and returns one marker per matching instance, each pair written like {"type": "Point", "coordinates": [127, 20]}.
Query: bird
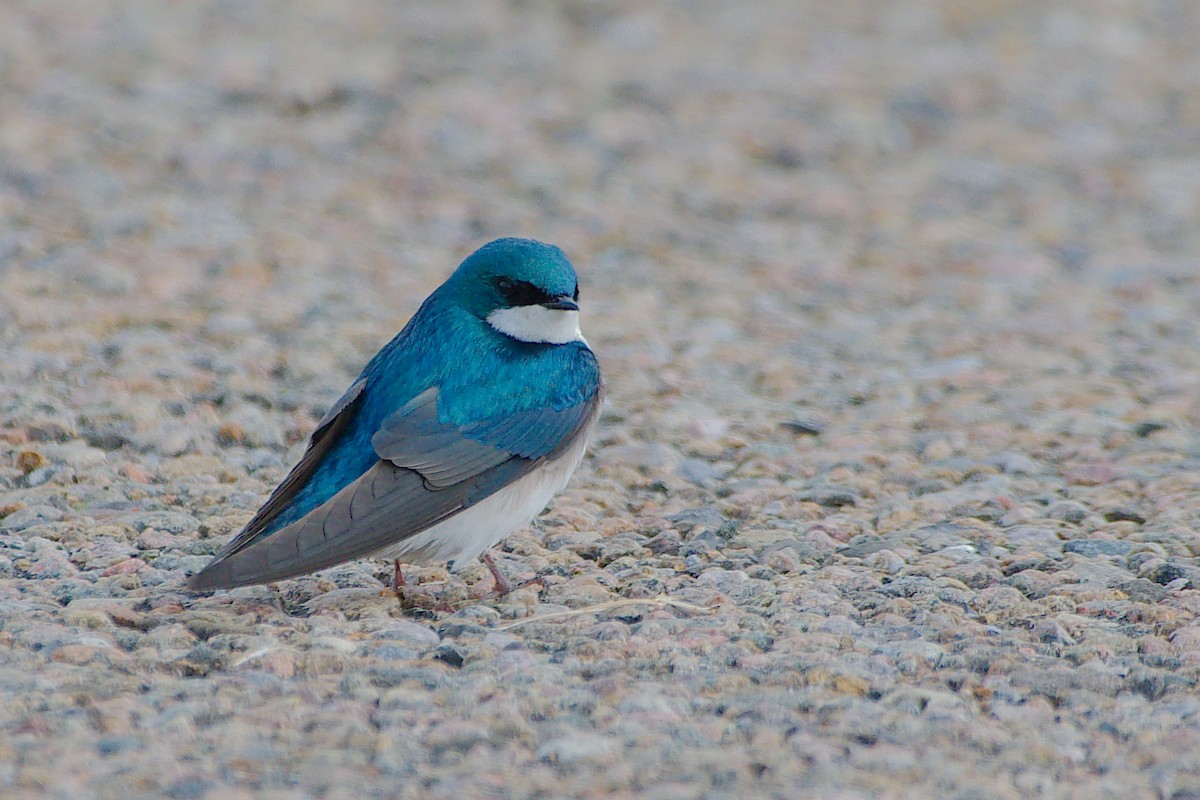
{"type": "Point", "coordinates": [457, 432]}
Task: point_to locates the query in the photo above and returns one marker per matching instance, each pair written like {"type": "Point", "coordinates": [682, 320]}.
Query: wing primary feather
{"type": "Point", "coordinates": [328, 429]}
{"type": "Point", "coordinates": [429, 471]}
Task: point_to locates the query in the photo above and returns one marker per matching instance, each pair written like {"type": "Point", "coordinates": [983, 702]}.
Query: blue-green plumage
{"type": "Point", "coordinates": [457, 394]}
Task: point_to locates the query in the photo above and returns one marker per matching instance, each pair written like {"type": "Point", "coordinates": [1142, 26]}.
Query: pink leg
{"type": "Point", "coordinates": [502, 585]}
{"type": "Point", "coordinates": [408, 595]}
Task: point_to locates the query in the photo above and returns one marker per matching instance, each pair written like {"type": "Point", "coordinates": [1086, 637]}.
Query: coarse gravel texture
{"type": "Point", "coordinates": [897, 302]}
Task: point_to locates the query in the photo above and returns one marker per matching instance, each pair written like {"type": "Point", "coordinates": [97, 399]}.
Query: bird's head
{"type": "Point", "coordinates": [523, 289]}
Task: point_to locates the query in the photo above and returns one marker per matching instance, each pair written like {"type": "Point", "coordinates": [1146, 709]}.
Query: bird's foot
{"type": "Point", "coordinates": [418, 596]}
{"type": "Point", "coordinates": [502, 585]}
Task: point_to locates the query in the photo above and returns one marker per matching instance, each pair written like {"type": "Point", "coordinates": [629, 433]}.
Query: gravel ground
{"type": "Point", "coordinates": [896, 301]}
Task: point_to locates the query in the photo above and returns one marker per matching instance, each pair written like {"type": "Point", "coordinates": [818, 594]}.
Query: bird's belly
{"type": "Point", "coordinates": [463, 537]}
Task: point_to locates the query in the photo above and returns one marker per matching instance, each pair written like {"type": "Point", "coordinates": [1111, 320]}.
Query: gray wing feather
{"type": "Point", "coordinates": [534, 433]}
{"type": "Point", "coordinates": [415, 438]}
{"type": "Point", "coordinates": [323, 437]}
{"type": "Point", "coordinates": [429, 470]}
{"type": "Point", "coordinates": [381, 507]}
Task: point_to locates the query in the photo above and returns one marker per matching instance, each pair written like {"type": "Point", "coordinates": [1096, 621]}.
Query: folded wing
{"type": "Point", "coordinates": [428, 470]}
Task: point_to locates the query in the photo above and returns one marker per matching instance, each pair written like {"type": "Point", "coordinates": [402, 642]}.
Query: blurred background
{"type": "Point", "coordinates": [719, 173]}
{"type": "Point", "coordinates": [896, 300]}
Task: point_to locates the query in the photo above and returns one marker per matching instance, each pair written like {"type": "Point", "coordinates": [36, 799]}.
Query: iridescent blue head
{"type": "Point", "coordinates": [523, 289]}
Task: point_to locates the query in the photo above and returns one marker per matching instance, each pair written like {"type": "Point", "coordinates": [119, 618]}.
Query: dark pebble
{"type": "Point", "coordinates": [1144, 429]}
{"type": "Point", "coordinates": [189, 788]}
{"type": "Point", "coordinates": [112, 745]}
{"type": "Point", "coordinates": [1068, 511]}
{"type": "Point", "coordinates": [667, 541]}
{"type": "Point", "coordinates": [1140, 590]}
{"type": "Point", "coordinates": [1090, 548]}
{"type": "Point", "coordinates": [449, 654]}
{"type": "Point", "coordinates": [1124, 514]}
{"type": "Point", "coordinates": [1166, 573]}
{"type": "Point", "coordinates": [701, 543]}
{"type": "Point", "coordinates": [453, 629]}
{"type": "Point", "coordinates": [107, 437]}
{"type": "Point", "coordinates": [1154, 683]}
{"type": "Point", "coordinates": [829, 496]}
{"type": "Point", "coordinates": [707, 516]}
{"type": "Point", "coordinates": [801, 427]}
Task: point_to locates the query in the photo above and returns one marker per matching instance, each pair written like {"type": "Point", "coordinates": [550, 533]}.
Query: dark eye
{"type": "Point", "coordinates": [519, 293]}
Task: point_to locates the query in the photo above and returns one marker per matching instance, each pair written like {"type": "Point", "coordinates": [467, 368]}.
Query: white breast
{"type": "Point", "coordinates": [465, 536]}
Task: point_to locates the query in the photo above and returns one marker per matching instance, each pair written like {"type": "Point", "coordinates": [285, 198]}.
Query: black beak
{"type": "Point", "coordinates": [564, 303]}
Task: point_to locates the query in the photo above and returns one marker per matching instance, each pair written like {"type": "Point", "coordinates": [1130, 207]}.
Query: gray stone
{"type": "Point", "coordinates": [27, 517]}
{"type": "Point", "coordinates": [577, 748]}
{"type": "Point", "coordinates": [167, 521]}
{"type": "Point", "coordinates": [1090, 548]}
{"type": "Point", "coordinates": [832, 496]}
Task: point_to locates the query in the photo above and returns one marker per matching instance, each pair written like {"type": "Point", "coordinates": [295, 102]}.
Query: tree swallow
{"type": "Point", "coordinates": [457, 432]}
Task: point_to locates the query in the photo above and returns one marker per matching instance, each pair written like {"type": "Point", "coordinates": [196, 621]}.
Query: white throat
{"type": "Point", "coordinates": [537, 324]}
